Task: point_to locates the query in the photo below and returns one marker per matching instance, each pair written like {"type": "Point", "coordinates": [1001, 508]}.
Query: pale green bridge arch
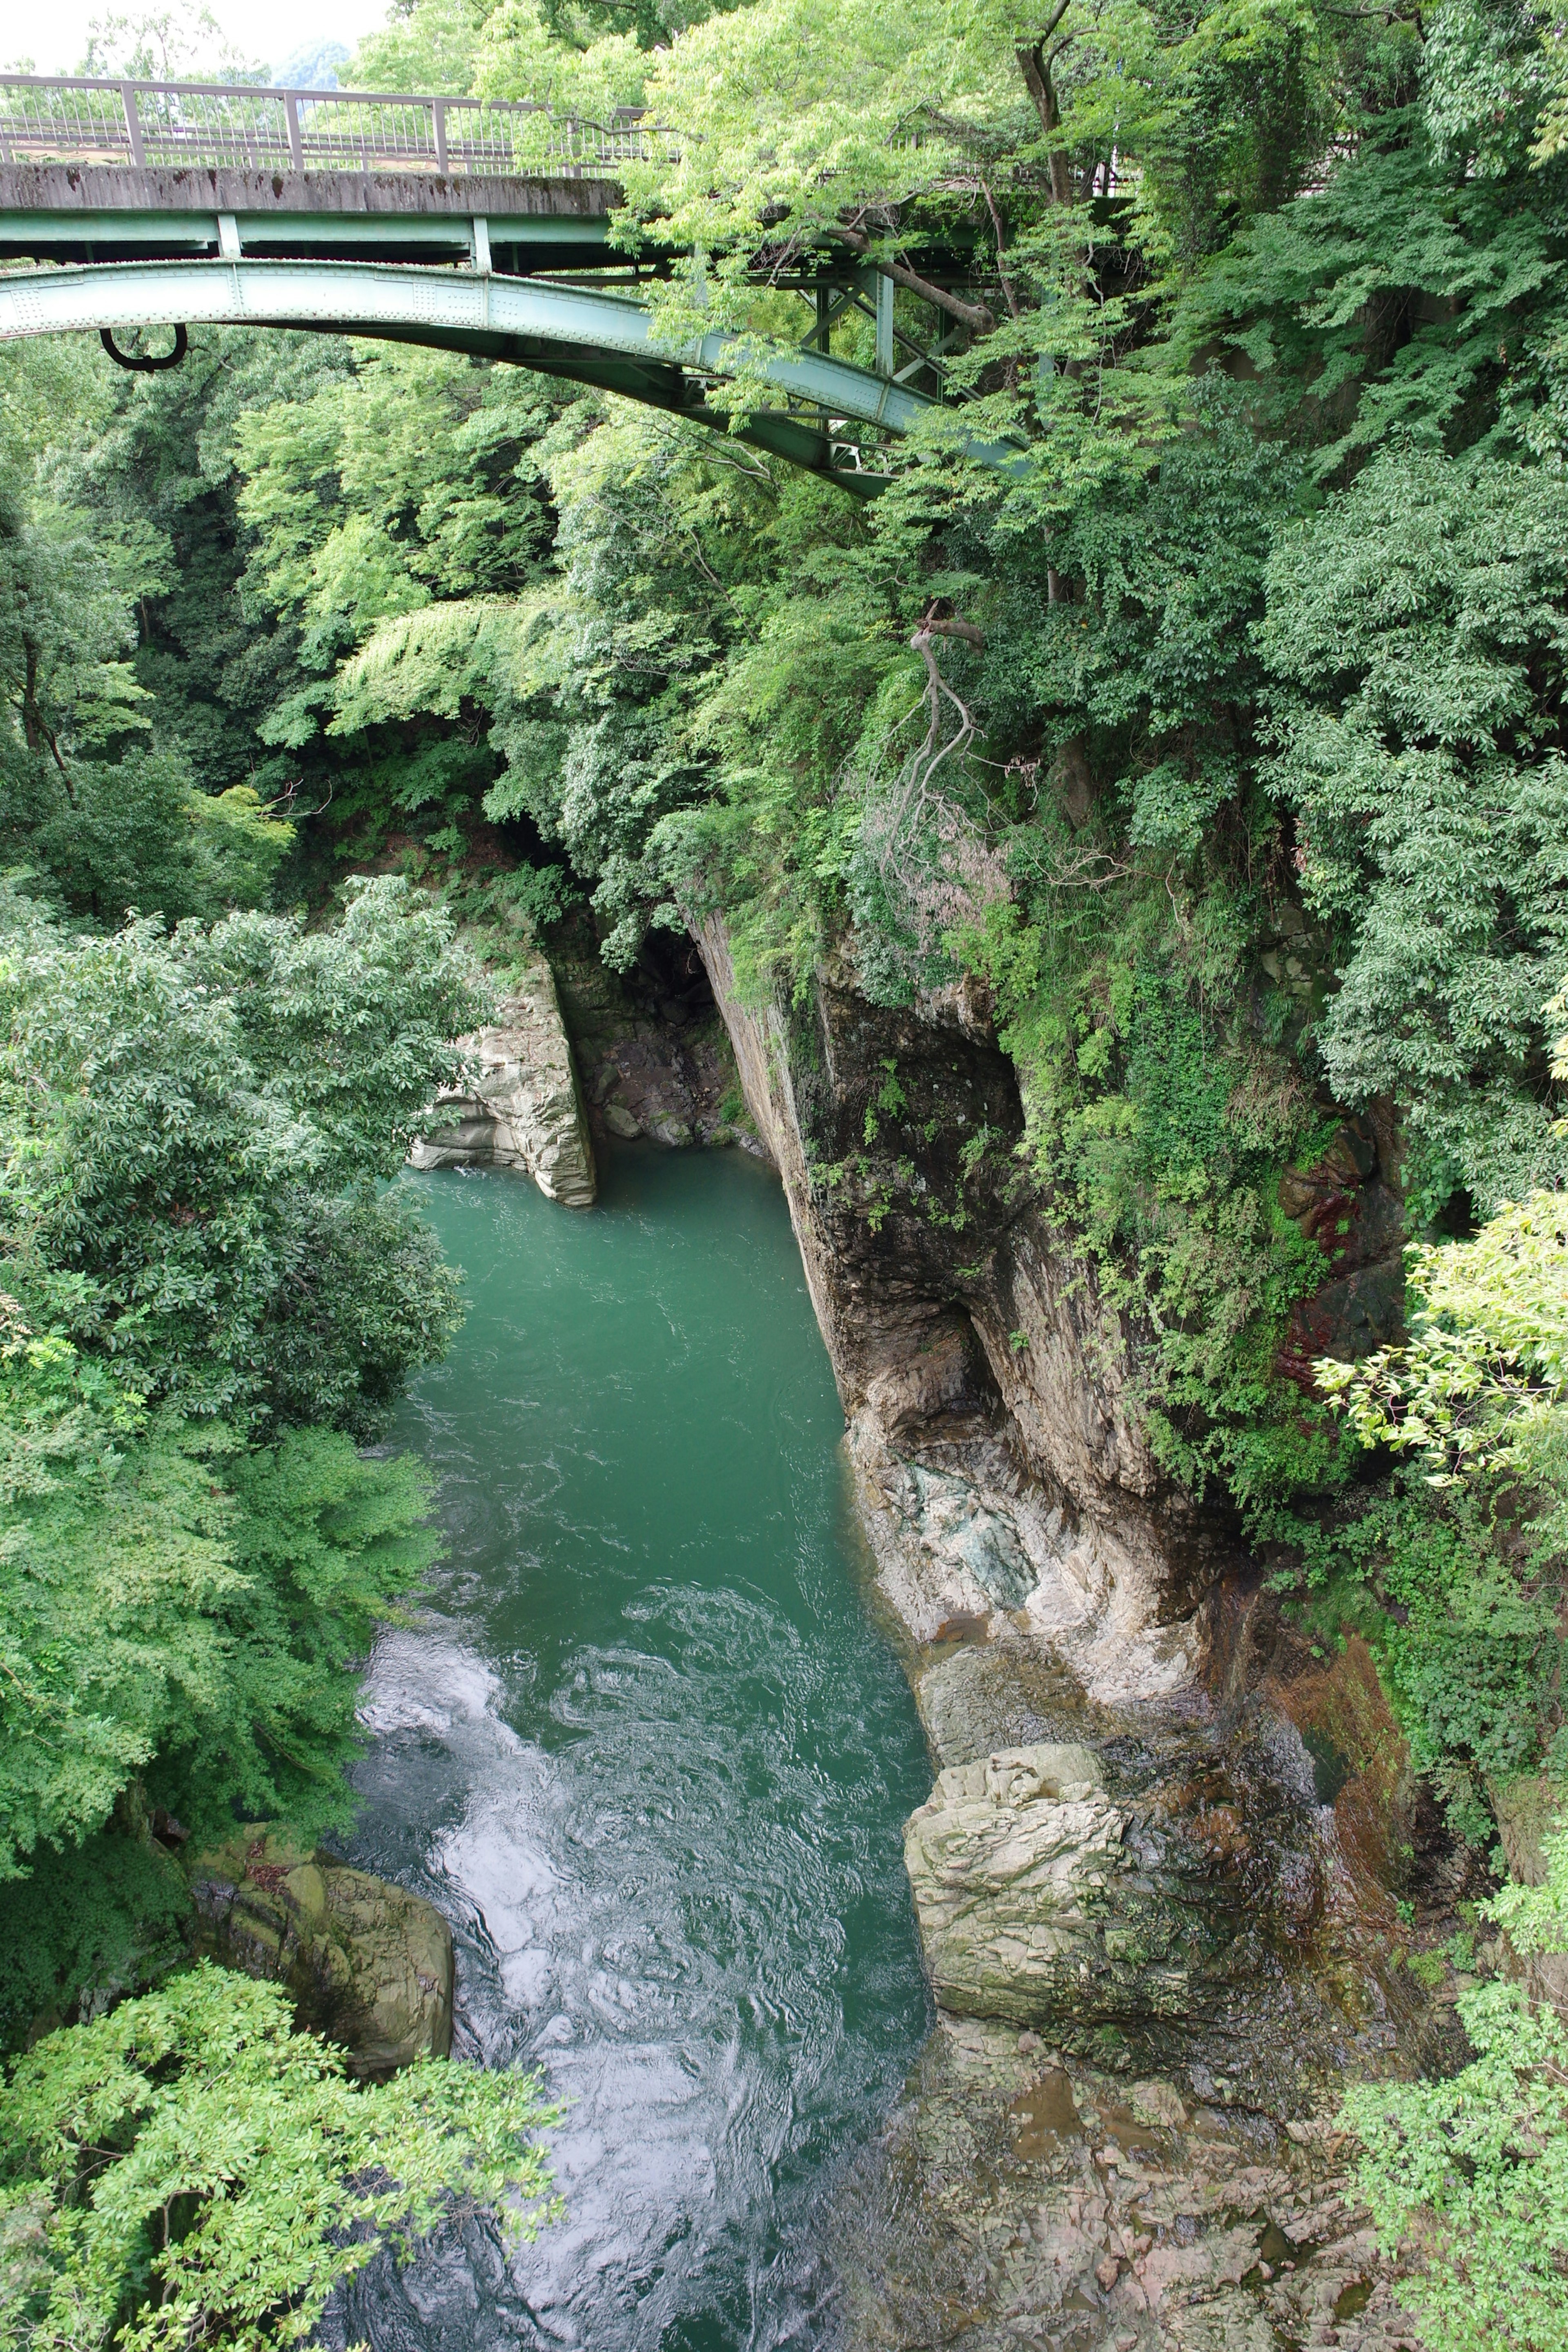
{"type": "Point", "coordinates": [591, 338]}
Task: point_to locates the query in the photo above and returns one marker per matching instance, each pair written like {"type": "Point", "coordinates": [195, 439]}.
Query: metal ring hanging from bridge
{"type": "Point", "coordinates": [145, 362]}
{"type": "Point", "coordinates": [411, 219]}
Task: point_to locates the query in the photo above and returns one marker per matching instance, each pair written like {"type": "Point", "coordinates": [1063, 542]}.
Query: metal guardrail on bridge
{"type": "Point", "coordinates": [154, 125]}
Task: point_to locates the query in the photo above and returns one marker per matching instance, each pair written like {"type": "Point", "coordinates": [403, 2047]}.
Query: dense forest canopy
{"type": "Point", "coordinates": [1241, 789]}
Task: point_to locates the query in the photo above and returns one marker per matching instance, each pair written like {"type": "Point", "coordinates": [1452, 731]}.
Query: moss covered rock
{"type": "Point", "coordinates": [368, 1964]}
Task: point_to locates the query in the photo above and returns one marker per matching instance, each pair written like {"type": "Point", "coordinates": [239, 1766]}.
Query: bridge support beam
{"type": "Point", "coordinates": [567, 331]}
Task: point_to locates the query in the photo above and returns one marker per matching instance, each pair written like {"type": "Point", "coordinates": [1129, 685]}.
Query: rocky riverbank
{"type": "Point", "coordinates": [577, 1052]}
{"type": "Point", "coordinates": [1159, 1878]}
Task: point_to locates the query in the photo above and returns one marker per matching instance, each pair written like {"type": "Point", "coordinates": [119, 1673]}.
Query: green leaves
{"type": "Point", "coordinates": [190, 1123]}
{"type": "Point", "coordinates": [189, 2169]}
{"type": "Point", "coordinates": [1476, 2170]}
{"type": "Point", "coordinates": [1416, 631]}
{"type": "Point", "coordinates": [115, 1564]}
{"type": "Point", "coordinates": [1486, 1360]}
{"type": "Point", "coordinates": [176, 1609]}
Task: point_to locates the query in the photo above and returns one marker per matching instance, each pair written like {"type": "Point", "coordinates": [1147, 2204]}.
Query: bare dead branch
{"type": "Point", "coordinates": [941, 620]}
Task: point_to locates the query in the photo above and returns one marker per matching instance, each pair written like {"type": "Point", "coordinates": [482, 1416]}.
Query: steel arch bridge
{"type": "Point", "coordinates": [413, 220]}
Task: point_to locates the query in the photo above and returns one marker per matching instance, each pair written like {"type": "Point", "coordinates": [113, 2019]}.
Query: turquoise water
{"type": "Point", "coordinates": [651, 1758]}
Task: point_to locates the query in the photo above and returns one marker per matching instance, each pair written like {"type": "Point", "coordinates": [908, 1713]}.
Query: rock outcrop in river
{"type": "Point", "coordinates": [525, 1110]}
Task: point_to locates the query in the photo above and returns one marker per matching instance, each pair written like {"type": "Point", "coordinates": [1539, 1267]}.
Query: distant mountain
{"type": "Point", "coordinates": [315, 67]}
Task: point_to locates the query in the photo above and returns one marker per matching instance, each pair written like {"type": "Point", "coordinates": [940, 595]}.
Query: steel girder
{"type": "Point", "coordinates": [567, 331]}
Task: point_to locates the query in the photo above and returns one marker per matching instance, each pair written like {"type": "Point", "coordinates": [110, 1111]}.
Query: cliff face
{"type": "Point", "coordinates": [1051, 1583]}
{"type": "Point", "coordinates": [525, 1112]}
{"type": "Point", "coordinates": [998, 1465]}
{"type": "Point", "coordinates": [1166, 1836]}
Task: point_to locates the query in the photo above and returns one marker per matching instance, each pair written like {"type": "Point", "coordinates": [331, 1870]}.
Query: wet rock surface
{"type": "Point", "coordinates": [1022, 2198]}
{"type": "Point", "coordinates": [1349, 1202]}
{"type": "Point", "coordinates": [1044, 1901]}
{"type": "Point", "coordinates": [1193, 1924]}
{"type": "Point", "coordinates": [655, 1056]}
{"type": "Point", "coordinates": [1156, 1887]}
{"type": "Point", "coordinates": [367, 1964]}
{"type": "Point", "coordinates": [525, 1112]}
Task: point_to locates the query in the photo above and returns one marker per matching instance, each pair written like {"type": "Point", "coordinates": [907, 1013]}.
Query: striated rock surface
{"type": "Point", "coordinates": [1026, 1889]}
{"type": "Point", "coordinates": [997, 1461]}
{"type": "Point", "coordinates": [368, 1965]}
{"type": "Point", "coordinates": [525, 1111]}
{"type": "Point", "coordinates": [1170, 1897]}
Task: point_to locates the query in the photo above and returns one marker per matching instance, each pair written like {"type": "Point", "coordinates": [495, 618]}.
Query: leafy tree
{"type": "Point", "coordinates": [180, 1610]}
{"type": "Point", "coordinates": [1481, 1383]}
{"type": "Point", "coordinates": [204, 1290]}
{"type": "Point", "coordinates": [1476, 2170]}
{"type": "Point", "coordinates": [1416, 631]}
{"type": "Point", "coordinates": [190, 2169]}
{"type": "Point", "coordinates": [194, 1123]}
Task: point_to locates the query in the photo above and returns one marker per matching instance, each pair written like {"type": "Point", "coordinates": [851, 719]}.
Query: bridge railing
{"type": "Point", "coordinates": [62, 119]}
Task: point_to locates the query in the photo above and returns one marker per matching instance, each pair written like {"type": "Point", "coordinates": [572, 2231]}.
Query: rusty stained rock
{"type": "Point", "coordinates": [1021, 2196]}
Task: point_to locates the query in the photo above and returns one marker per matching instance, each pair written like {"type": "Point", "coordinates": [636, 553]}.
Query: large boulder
{"type": "Point", "coordinates": [368, 1964]}
{"type": "Point", "coordinates": [1188, 1921]}
{"type": "Point", "coordinates": [1035, 1903]}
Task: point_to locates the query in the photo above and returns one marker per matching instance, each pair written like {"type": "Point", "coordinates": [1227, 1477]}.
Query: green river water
{"type": "Point", "coordinates": [650, 1754]}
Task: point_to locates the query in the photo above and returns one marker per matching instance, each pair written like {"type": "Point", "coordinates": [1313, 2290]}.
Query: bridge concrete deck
{"type": "Point", "coordinates": [91, 212]}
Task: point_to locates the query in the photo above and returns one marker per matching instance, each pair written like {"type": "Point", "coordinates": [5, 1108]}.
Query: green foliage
{"type": "Point", "coordinates": [176, 1609]}
{"type": "Point", "coordinates": [391, 497]}
{"type": "Point", "coordinates": [1160, 1119]}
{"type": "Point", "coordinates": [1536, 1917]}
{"type": "Point", "coordinates": [108, 819]}
{"type": "Point", "coordinates": [1468, 1560]}
{"type": "Point", "coordinates": [1479, 1384]}
{"type": "Point", "coordinates": [102, 1918]}
{"type": "Point", "coordinates": [1462, 1616]}
{"type": "Point", "coordinates": [206, 1300]}
{"type": "Point", "coordinates": [192, 1125]}
{"type": "Point", "coordinates": [1476, 2169]}
{"type": "Point", "coordinates": [188, 2169]}
{"type": "Point", "coordinates": [1417, 630]}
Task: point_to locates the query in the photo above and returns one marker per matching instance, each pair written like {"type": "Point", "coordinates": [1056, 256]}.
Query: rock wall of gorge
{"type": "Point", "coordinates": [998, 1465]}
{"type": "Point", "coordinates": [1156, 1879]}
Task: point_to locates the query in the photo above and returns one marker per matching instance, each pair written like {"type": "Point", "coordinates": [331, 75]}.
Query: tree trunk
{"type": "Point", "coordinates": [1036, 69]}
{"type": "Point", "coordinates": [973, 315]}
